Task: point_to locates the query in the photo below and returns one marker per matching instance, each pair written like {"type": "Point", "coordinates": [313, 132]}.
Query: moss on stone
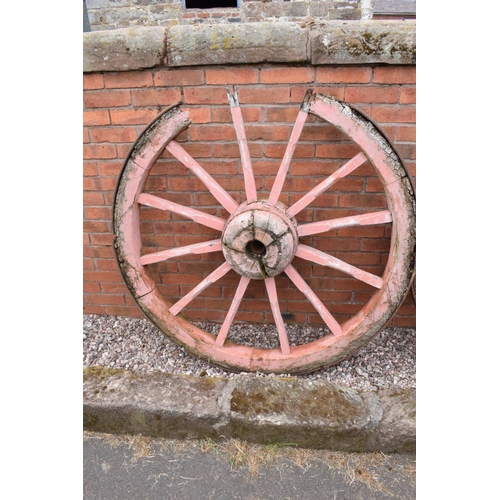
{"type": "Point", "coordinates": [322, 402]}
{"type": "Point", "coordinates": [101, 372]}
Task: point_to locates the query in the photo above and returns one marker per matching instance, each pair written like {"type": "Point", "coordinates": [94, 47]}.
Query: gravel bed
{"type": "Point", "coordinates": [387, 361]}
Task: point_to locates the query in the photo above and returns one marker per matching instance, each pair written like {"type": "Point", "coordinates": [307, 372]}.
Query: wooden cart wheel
{"type": "Point", "coordinates": [261, 237]}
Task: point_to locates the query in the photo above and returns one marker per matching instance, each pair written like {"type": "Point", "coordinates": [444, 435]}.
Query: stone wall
{"type": "Point", "coordinates": [113, 14]}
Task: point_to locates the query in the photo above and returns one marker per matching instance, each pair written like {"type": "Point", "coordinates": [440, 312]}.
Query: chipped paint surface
{"type": "Point", "coordinates": [261, 237]}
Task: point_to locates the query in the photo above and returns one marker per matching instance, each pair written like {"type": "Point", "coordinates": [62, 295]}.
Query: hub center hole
{"type": "Point", "coordinates": [256, 248]}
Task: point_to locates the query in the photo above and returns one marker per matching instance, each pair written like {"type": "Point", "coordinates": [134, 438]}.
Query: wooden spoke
{"type": "Point", "coordinates": [275, 308]}
{"type": "Point", "coordinates": [228, 321]}
{"type": "Point", "coordinates": [343, 171]}
{"type": "Point", "coordinates": [219, 193]}
{"type": "Point", "coordinates": [299, 282]}
{"type": "Point", "coordinates": [372, 218]}
{"type": "Point", "coordinates": [190, 213]}
{"type": "Point", "coordinates": [323, 259]}
{"type": "Point", "coordinates": [196, 248]}
{"type": "Point", "coordinates": [287, 158]}
{"type": "Point", "coordinates": [210, 279]}
{"type": "Point", "coordinates": [246, 164]}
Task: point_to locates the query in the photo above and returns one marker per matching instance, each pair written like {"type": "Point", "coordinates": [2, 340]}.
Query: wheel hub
{"type": "Point", "coordinates": [259, 240]}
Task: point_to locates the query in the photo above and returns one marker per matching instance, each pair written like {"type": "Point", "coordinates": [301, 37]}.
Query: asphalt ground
{"type": "Point", "coordinates": [142, 468]}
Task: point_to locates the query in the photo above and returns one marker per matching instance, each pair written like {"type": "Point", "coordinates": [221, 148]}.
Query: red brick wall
{"type": "Point", "coordinates": [117, 106]}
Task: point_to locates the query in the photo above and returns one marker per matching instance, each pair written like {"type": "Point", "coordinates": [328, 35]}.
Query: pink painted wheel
{"type": "Point", "coordinates": [261, 237]}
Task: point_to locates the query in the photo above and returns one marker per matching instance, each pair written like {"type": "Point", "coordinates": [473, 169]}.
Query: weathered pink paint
{"type": "Point", "coordinates": [190, 213]}
{"type": "Point", "coordinates": [328, 109]}
{"type": "Point", "coordinates": [323, 259]}
{"type": "Point", "coordinates": [233, 309]}
{"type": "Point", "coordinates": [246, 163]}
{"type": "Point", "coordinates": [372, 218]}
{"type": "Point", "coordinates": [148, 152]}
{"type": "Point", "coordinates": [309, 197]}
{"type": "Point", "coordinates": [287, 158]}
{"type": "Point", "coordinates": [300, 283]}
{"type": "Point", "coordinates": [219, 193]}
{"type": "Point", "coordinates": [392, 286]}
{"type": "Point", "coordinates": [278, 319]}
{"type": "Point", "coordinates": [194, 249]}
{"type": "Point", "coordinates": [209, 280]}
{"type": "Point", "coordinates": [374, 147]}
{"type": "Point", "coordinates": [133, 178]}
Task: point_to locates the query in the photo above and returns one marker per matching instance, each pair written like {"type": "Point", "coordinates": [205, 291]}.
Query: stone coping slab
{"type": "Point", "coordinates": [236, 44]}
{"type": "Point", "coordinates": [321, 43]}
{"type": "Point", "coordinates": [364, 42]}
{"type": "Point", "coordinates": [123, 49]}
{"type": "Point", "coordinates": [309, 414]}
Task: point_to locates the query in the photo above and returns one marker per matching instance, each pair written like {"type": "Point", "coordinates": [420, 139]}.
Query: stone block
{"type": "Point", "coordinates": [295, 9]}
{"type": "Point", "coordinates": [243, 43]}
{"type": "Point", "coordinates": [363, 42]}
{"type": "Point", "coordinates": [397, 427]}
{"type": "Point", "coordinates": [163, 405]}
{"type": "Point", "coordinates": [310, 414]}
{"type": "Point", "coordinates": [346, 14]}
{"type": "Point", "coordinates": [123, 49]}
{"type": "Point", "coordinates": [319, 9]}
{"type": "Point", "coordinates": [165, 12]}
{"type": "Point", "coordinates": [97, 4]}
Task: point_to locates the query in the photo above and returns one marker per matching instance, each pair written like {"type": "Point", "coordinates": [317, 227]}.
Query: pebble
{"type": "Point", "coordinates": [387, 361]}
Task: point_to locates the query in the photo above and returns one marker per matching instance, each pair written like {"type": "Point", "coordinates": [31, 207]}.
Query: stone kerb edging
{"type": "Point", "coordinates": [311, 414]}
{"type": "Point", "coordinates": [329, 42]}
